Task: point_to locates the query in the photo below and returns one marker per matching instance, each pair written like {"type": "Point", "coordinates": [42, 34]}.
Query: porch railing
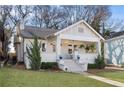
{"type": "Point", "coordinates": [83, 58]}
{"type": "Point", "coordinates": [87, 58]}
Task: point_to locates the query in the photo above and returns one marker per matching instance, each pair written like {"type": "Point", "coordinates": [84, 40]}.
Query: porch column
{"type": "Point", "coordinates": [99, 47]}
{"type": "Point", "coordinates": [58, 46]}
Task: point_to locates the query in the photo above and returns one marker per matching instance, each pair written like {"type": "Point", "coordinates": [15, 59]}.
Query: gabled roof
{"type": "Point", "coordinates": [82, 21]}
{"type": "Point", "coordinates": [115, 36]}
{"type": "Point", "coordinates": [43, 33]}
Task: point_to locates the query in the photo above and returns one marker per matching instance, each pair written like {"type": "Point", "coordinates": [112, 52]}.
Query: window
{"type": "Point", "coordinates": [75, 47]}
{"type": "Point", "coordinates": [54, 48]}
{"type": "Point", "coordinates": [69, 51]}
{"type": "Point", "coordinates": [80, 29]}
{"type": "Point", "coordinates": [69, 45]}
{"type": "Point", "coordinates": [43, 47]}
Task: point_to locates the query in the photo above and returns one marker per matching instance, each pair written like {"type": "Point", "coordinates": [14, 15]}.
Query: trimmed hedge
{"type": "Point", "coordinates": [49, 65]}
{"type": "Point", "coordinates": [91, 66]}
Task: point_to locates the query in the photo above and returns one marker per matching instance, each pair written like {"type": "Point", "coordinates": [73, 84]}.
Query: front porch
{"type": "Point", "coordinates": [75, 55]}
{"type": "Point", "coordinates": [77, 50]}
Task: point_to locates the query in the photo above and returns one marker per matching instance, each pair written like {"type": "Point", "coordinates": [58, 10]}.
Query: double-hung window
{"type": "Point", "coordinates": [43, 47]}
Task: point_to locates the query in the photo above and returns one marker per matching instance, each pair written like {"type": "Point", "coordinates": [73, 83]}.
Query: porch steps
{"type": "Point", "coordinates": [71, 66]}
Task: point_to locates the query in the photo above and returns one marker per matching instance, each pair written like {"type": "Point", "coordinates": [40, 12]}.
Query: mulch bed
{"type": "Point", "coordinates": [20, 66]}
{"type": "Point", "coordinates": [95, 71]}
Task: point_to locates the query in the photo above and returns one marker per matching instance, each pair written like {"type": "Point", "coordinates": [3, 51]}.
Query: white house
{"type": "Point", "coordinates": [114, 49]}
{"type": "Point", "coordinates": [70, 47]}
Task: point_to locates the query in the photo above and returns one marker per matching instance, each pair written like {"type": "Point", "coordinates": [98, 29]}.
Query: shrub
{"type": "Point", "coordinates": [99, 61]}
{"type": "Point", "coordinates": [122, 65]}
{"type": "Point", "coordinates": [91, 66]}
{"type": "Point", "coordinates": [49, 65]}
{"type": "Point", "coordinates": [0, 65]}
{"type": "Point", "coordinates": [34, 54]}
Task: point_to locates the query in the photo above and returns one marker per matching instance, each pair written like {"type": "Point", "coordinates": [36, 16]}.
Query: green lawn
{"type": "Point", "coordinates": [114, 75]}
{"type": "Point", "coordinates": [15, 77]}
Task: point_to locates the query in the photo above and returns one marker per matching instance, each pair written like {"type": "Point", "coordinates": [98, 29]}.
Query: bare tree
{"type": "Point", "coordinates": [112, 26]}
{"type": "Point", "coordinates": [48, 16]}
{"type": "Point", "coordinates": [9, 17]}
{"type": "Point", "coordinates": [4, 30]}
{"type": "Point", "coordinates": [100, 16]}
{"type": "Point", "coordinates": [94, 15]}
{"type": "Point", "coordinates": [19, 14]}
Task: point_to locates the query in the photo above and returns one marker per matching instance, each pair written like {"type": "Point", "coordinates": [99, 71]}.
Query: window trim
{"type": "Point", "coordinates": [43, 47]}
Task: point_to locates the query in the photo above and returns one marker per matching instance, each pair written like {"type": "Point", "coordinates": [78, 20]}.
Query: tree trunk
{"type": "Point", "coordinates": [5, 58]}
{"type": "Point", "coordinates": [2, 40]}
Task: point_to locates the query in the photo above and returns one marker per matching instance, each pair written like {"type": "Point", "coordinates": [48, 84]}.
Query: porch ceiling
{"type": "Point", "coordinates": [68, 41]}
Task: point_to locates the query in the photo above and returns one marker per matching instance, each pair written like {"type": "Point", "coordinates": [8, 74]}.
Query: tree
{"type": "Point", "coordinates": [19, 15]}
{"type": "Point", "coordinates": [111, 26]}
{"type": "Point", "coordinates": [102, 13]}
{"type": "Point", "coordinates": [4, 30]}
{"type": "Point", "coordinates": [34, 54]}
{"type": "Point", "coordinates": [10, 16]}
{"type": "Point", "coordinates": [59, 17]}
{"type": "Point", "coordinates": [96, 24]}
{"type": "Point", "coordinates": [48, 16]}
{"type": "Point", "coordinates": [93, 15]}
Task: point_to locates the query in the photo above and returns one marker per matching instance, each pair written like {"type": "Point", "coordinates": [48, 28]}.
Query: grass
{"type": "Point", "coordinates": [111, 74]}
{"type": "Point", "coordinates": [10, 77]}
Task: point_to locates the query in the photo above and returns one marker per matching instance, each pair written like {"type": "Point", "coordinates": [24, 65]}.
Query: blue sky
{"type": "Point", "coordinates": [117, 12]}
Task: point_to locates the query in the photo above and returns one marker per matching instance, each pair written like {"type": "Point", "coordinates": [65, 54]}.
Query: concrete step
{"type": "Point", "coordinates": [72, 66]}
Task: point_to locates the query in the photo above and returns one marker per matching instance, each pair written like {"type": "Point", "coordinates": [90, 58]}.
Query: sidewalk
{"type": "Point", "coordinates": [115, 68]}
{"type": "Point", "coordinates": [106, 80]}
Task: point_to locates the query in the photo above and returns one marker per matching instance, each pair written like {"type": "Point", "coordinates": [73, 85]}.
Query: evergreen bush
{"type": "Point", "coordinates": [34, 54]}
{"type": "Point", "coordinates": [49, 65]}
{"type": "Point", "coordinates": [99, 61]}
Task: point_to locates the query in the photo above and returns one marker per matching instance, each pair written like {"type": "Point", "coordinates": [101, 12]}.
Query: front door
{"type": "Point", "coordinates": [70, 51]}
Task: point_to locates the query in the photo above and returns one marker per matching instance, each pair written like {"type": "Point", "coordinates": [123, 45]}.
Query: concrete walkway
{"type": "Point", "coordinates": [115, 68]}
{"type": "Point", "coordinates": [106, 80]}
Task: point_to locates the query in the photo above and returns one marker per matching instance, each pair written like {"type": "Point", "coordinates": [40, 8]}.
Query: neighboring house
{"type": "Point", "coordinates": [70, 47]}
{"type": "Point", "coordinates": [114, 49]}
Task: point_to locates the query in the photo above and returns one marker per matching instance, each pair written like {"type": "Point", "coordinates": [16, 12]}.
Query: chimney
{"type": "Point", "coordinates": [18, 29]}
{"type": "Point", "coordinates": [22, 25]}
{"type": "Point", "coordinates": [17, 37]}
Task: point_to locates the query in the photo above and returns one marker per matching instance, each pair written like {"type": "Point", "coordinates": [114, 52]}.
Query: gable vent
{"type": "Point", "coordinates": [80, 29]}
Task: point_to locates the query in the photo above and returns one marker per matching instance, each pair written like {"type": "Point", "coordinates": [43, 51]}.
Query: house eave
{"type": "Point", "coordinates": [94, 31]}
{"type": "Point", "coordinates": [68, 27]}
{"type": "Point", "coordinates": [115, 38]}
{"type": "Point", "coordinates": [86, 25]}
{"type": "Point", "coordinates": [32, 37]}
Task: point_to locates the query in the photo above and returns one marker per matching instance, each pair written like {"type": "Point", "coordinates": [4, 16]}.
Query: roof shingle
{"type": "Point", "coordinates": [29, 31]}
{"type": "Point", "coordinates": [116, 34]}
